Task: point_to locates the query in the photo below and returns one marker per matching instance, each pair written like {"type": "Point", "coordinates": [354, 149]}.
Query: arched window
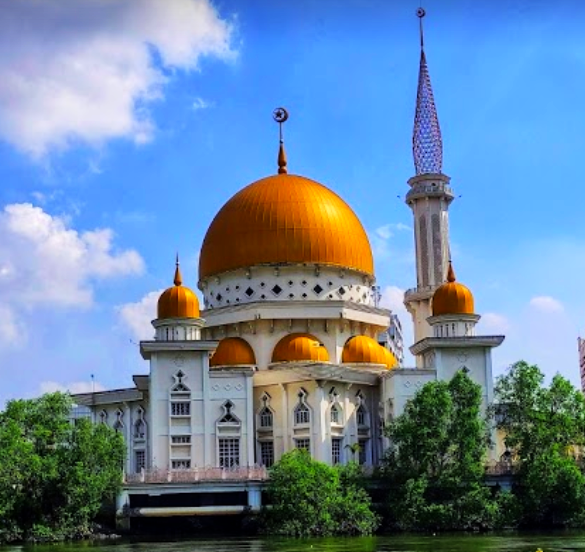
{"type": "Point", "coordinates": [103, 417]}
{"type": "Point", "coordinates": [302, 412]}
{"type": "Point", "coordinates": [361, 416]}
{"type": "Point", "coordinates": [118, 424]}
{"type": "Point", "coordinates": [139, 429]}
{"type": "Point", "coordinates": [335, 414]}
{"type": "Point", "coordinates": [180, 396]}
{"type": "Point", "coordinates": [265, 417]}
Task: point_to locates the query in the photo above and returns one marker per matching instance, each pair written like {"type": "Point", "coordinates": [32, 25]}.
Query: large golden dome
{"type": "Point", "coordinates": [233, 351]}
{"type": "Point", "coordinates": [452, 297]}
{"type": "Point", "coordinates": [299, 347]}
{"type": "Point", "coordinates": [285, 219]}
{"type": "Point", "coordinates": [362, 349]}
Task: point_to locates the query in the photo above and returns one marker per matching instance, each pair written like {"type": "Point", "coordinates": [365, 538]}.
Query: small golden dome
{"type": "Point", "coordinates": [452, 297]}
{"type": "Point", "coordinates": [285, 219]}
{"type": "Point", "coordinates": [363, 349]}
{"type": "Point", "coordinates": [233, 351]}
{"type": "Point", "coordinates": [178, 301]}
{"type": "Point", "coordinates": [299, 347]}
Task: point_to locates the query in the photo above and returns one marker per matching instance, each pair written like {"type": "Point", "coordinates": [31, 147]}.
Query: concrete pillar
{"type": "Point", "coordinates": [255, 498]}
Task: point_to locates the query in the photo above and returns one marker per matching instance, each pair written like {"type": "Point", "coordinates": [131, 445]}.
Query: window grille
{"type": "Point", "coordinates": [139, 460]}
{"type": "Point", "coordinates": [229, 452]}
{"type": "Point", "coordinates": [181, 464]}
{"type": "Point", "coordinates": [303, 444]}
{"type": "Point", "coordinates": [180, 408]}
{"type": "Point", "coordinates": [336, 451]}
{"type": "Point", "coordinates": [267, 453]}
{"type": "Point", "coordinates": [181, 439]}
{"type": "Point", "coordinates": [361, 415]}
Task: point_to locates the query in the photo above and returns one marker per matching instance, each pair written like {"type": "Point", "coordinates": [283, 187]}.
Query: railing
{"type": "Point", "coordinates": [196, 475]}
{"type": "Point", "coordinates": [502, 467]}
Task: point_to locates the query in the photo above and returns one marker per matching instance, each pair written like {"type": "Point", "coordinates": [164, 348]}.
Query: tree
{"type": "Point", "coordinates": [310, 498]}
{"type": "Point", "coordinates": [54, 475]}
{"type": "Point", "coordinates": [435, 465]}
{"type": "Point", "coordinates": [544, 427]}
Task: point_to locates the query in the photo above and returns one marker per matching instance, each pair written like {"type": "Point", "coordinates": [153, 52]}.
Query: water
{"type": "Point", "coordinates": [513, 542]}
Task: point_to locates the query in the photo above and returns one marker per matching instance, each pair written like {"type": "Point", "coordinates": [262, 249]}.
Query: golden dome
{"type": "Point", "coordinates": [452, 297]}
{"type": "Point", "coordinates": [299, 347]}
{"type": "Point", "coordinates": [233, 351]}
{"type": "Point", "coordinates": [178, 301]}
{"type": "Point", "coordinates": [285, 219]}
{"type": "Point", "coordinates": [363, 349]}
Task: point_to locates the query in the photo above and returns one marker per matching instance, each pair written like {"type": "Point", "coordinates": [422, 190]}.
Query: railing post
{"type": "Point", "coordinates": [142, 475]}
{"type": "Point", "coordinates": [196, 473]}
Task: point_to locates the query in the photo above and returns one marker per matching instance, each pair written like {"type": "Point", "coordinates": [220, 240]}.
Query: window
{"type": "Point", "coordinates": [139, 429]}
{"type": "Point", "coordinates": [302, 414]}
{"type": "Point", "coordinates": [336, 451]}
{"type": "Point", "coordinates": [180, 408]}
{"type": "Point", "coordinates": [335, 415]}
{"type": "Point", "coordinates": [363, 452]}
{"type": "Point", "coordinates": [266, 417]}
{"type": "Point", "coordinates": [139, 460]}
{"type": "Point", "coordinates": [181, 439]}
{"type": "Point", "coordinates": [103, 417]}
{"type": "Point", "coordinates": [229, 452]}
{"type": "Point", "coordinates": [361, 415]}
{"type": "Point", "coordinates": [181, 464]}
{"type": "Point", "coordinates": [267, 453]}
{"type": "Point", "coordinates": [303, 444]}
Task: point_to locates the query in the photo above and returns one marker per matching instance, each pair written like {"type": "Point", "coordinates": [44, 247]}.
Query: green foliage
{"type": "Point", "coordinates": [544, 427]}
{"type": "Point", "coordinates": [54, 475]}
{"type": "Point", "coordinates": [435, 466]}
{"type": "Point", "coordinates": [310, 498]}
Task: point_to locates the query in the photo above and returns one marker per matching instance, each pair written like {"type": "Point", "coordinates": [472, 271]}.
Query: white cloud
{"type": "Point", "coordinates": [384, 232]}
{"type": "Point", "coordinates": [12, 331]}
{"type": "Point", "coordinates": [136, 317]}
{"type": "Point", "coordinates": [493, 323]}
{"type": "Point", "coordinates": [43, 261]}
{"type": "Point", "coordinates": [200, 103]}
{"type": "Point", "coordinates": [84, 71]}
{"type": "Point", "coordinates": [546, 304]}
{"type": "Point", "coordinates": [73, 387]}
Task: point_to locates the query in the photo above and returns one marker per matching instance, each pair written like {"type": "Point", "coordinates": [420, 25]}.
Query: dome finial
{"type": "Point", "coordinates": [450, 272]}
{"type": "Point", "coordinates": [178, 278]}
{"type": "Point", "coordinates": [280, 115]}
{"type": "Point", "coordinates": [420, 13]}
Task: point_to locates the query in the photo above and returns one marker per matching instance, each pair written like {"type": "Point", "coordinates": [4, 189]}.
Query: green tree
{"type": "Point", "coordinates": [54, 475]}
{"type": "Point", "coordinates": [435, 466]}
{"type": "Point", "coordinates": [544, 427]}
{"type": "Point", "coordinates": [310, 498]}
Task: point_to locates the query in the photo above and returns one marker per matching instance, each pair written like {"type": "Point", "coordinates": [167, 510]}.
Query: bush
{"type": "Point", "coordinates": [309, 498]}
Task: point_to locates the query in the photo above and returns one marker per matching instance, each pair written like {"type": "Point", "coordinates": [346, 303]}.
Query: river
{"type": "Point", "coordinates": [514, 542]}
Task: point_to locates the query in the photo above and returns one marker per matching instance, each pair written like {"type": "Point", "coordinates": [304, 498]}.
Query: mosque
{"type": "Point", "coordinates": [290, 348]}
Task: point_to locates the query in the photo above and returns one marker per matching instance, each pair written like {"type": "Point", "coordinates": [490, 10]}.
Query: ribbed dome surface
{"type": "Point", "coordinates": [299, 347]}
{"type": "Point", "coordinates": [233, 351]}
{"type": "Point", "coordinates": [452, 297]}
{"type": "Point", "coordinates": [178, 301]}
{"type": "Point", "coordinates": [363, 349]}
{"type": "Point", "coordinates": [285, 219]}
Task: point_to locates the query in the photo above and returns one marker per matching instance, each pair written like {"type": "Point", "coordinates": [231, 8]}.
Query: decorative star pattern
{"type": "Point", "coordinates": [427, 144]}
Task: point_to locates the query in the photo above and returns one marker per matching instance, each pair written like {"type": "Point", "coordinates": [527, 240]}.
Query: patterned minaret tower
{"type": "Point", "coordinates": [429, 198]}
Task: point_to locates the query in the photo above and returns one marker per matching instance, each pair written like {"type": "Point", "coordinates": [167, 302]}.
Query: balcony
{"type": "Point", "coordinates": [197, 475]}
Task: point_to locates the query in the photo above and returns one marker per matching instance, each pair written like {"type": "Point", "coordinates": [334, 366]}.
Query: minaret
{"type": "Point", "coordinates": [429, 198]}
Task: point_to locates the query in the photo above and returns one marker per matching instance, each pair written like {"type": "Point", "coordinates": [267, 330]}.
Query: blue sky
{"type": "Point", "coordinates": [125, 126]}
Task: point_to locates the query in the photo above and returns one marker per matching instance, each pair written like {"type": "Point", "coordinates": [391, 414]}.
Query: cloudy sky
{"type": "Point", "coordinates": [126, 124]}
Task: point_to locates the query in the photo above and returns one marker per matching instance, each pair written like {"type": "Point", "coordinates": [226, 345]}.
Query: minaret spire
{"type": "Point", "coordinates": [427, 145]}
{"type": "Point", "coordinates": [280, 115]}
